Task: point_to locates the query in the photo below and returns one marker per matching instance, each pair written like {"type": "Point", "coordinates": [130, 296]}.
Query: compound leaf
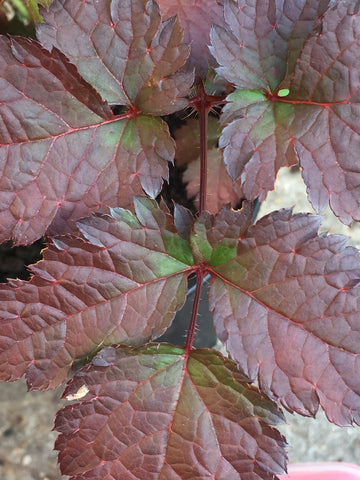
{"type": "Point", "coordinates": [285, 300]}
{"type": "Point", "coordinates": [294, 67]}
{"type": "Point", "coordinates": [63, 154]}
{"type": "Point", "coordinates": [123, 50]}
{"type": "Point", "coordinates": [156, 412]}
{"type": "Point", "coordinates": [122, 282]}
{"type": "Point", "coordinates": [286, 304]}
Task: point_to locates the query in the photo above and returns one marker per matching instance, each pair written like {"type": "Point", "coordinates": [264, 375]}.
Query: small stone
{"type": "Point", "coordinates": [26, 460]}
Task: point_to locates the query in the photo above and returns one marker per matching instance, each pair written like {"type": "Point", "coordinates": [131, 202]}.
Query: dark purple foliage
{"type": "Point", "coordinates": [84, 151]}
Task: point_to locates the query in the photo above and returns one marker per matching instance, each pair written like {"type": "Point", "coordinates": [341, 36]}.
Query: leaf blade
{"type": "Point", "coordinates": [131, 60]}
{"type": "Point", "coordinates": [164, 372]}
{"type": "Point", "coordinates": [283, 306]}
{"type": "Point", "coordinates": [62, 148]}
{"type": "Point", "coordinates": [196, 23]}
{"type": "Point", "coordinates": [317, 122]}
{"type": "Point", "coordinates": [116, 284]}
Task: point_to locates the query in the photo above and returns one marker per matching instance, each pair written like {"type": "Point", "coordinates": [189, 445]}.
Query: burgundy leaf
{"type": "Point", "coordinates": [228, 227]}
{"type": "Point", "coordinates": [283, 114]}
{"type": "Point", "coordinates": [256, 141]}
{"type": "Point", "coordinates": [196, 20]}
{"type": "Point", "coordinates": [287, 307]}
{"type": "Point", "coordinates": [263, 40]}
{"type": "Point", "coordinates": [183, 221]}
{"type": "Point", "coordinates": [159, 413]}
{"type": "Point", "coordinates": [123, 50]}
{"type": "Point", "coordinates": [325, 100]}
{"type": "Point", "coordinates": [214, 239]}
{"type": "Point", "coordinates": [258, 54]}
{"type": "Point", "coordinates": [121, 283]}
{"type": "Point", "coordinates": [63, 154]}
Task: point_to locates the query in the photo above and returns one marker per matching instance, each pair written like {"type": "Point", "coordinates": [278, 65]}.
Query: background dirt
{"type": "Point", "coordinates": [26, 419]}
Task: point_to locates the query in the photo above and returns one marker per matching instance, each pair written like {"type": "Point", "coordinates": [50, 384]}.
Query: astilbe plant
{"type": "Point", "coordinates": [84, 152]}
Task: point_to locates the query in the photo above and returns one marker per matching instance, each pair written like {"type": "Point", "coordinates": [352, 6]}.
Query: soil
{"type": "Point", "coordinates": [26, 419]}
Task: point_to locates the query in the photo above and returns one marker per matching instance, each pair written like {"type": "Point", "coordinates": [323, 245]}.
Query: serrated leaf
{"type": "Point", "coordinates": [123, 50]}
{"type": "Point", "coordinates": [215, 238]}
{"type": "Point", "coordinates": [263, 40]}
{"type": "Point", "coordinates": [196, 20]}
{"type": "Point", "coordinates": [183, 220]}
{"type": "Point", "coordinates": [63, 154]}
{"type": "Point", "coordinates": [287, 308]}
{"type": "Point", "coordinates": [285, 300]}
{"type": "Point", "coordinates": [201, 245]}
{"type": "Point", "coordinates": [256, 141]}
{"type": "Point", "coordinates": [116, 284]}
{"type": "Point", "coordinates": [317, 121]}
{"type": "Point", "coordinates": [159, 413]}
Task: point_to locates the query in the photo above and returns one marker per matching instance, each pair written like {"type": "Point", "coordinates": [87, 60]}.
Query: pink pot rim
{"type": "Point", "coordinates": [322, 471]}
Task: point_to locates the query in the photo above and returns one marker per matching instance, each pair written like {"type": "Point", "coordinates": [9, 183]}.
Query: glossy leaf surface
{"type": "Point", "coordinates": [121, 283]}
{"type": "Point", "coordinates": [314, 53]}
{"type": "Point", "coordinates": [63, 153]}
{"type": "Point", "coordinates": [159, 413]}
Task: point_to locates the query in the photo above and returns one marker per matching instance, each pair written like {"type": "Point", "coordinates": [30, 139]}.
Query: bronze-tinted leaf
{"type": "Point", "coordinates": [196, 20]}
{"type": "Point", "coordinates": [158, 413]}
{"type": "Point", "coordinates": [63, 153]}
{"type": "Point", "coordinates": [287, 307]}
{"type": "Point", "coordinates": [122, 282]}
{"type": "Point", "coordinates": [296, 67]}
{"type": "Point", "coordinates": [123, 50]}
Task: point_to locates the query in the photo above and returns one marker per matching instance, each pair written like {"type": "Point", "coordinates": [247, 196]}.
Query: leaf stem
{"type": "Point", "coordinates": [203, 109]}
{"type": "Point", "coordinates": [203, 103]}
{"type": "Point", "coordinates": [200, 274]}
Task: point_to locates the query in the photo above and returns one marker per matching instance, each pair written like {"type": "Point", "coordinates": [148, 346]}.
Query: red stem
{"type": "Point", "coordinates": [203, 103]}
{"type": "Point", "coordinates": [200, 274]}
{"type": "Point", "coordinates": [203, 111]}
